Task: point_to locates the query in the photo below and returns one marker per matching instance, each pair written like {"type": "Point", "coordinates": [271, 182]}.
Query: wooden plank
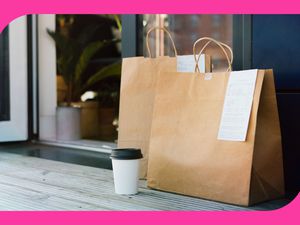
{"type": "Point", "coordinates": [29, 183]}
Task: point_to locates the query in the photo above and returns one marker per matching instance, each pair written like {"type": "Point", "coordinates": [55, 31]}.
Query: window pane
{"type": "Point", "coordinates": [4, 76]}
{"type": "Point", "coordinates": [185, 30]}
{"type": "Point", "coordinates": [85, 80]}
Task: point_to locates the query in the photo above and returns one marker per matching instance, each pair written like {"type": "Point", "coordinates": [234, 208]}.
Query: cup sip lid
{"type": "Point", "coordinates": [126, 153]}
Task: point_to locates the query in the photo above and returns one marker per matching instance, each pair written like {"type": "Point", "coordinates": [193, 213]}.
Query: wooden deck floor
{"type": "Point", "coordinates": [30, 183]}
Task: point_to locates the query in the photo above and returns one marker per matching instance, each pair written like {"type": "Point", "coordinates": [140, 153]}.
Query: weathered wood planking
{"type": "Point", "coordinates": [29, 183]}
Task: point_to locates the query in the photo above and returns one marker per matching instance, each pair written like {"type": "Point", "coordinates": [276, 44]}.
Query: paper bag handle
{"type": "Point", "coordinates": [224, 45]}
{"type": "Point", "coordinates": [220, 44]}
{"type": "Point", "coordinates": [166, 31]}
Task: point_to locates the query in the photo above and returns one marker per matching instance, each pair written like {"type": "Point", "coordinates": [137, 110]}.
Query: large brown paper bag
{"type": "Point", "coordinates": [138, 80]}
{"type": "Point", "coordinates": [185, 155]}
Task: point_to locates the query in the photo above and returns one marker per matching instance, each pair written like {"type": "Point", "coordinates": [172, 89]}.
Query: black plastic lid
{"type": "Point", "coordinates": [126, 153]}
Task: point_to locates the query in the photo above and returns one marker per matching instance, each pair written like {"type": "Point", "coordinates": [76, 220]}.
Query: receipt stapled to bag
{"type": "Point", "coordinates": [237, 105]}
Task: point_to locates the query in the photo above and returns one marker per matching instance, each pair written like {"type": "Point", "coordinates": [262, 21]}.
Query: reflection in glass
{"type": "Point", "coordinates": [185, 30]}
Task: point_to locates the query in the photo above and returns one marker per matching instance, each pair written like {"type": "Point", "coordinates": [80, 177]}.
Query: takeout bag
{"type": "Point", "coordinates": [138, 80]}
{"type": "Point", "coordinates": [185, 155]}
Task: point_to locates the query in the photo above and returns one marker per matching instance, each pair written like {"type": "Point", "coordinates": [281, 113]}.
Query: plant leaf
{"type": "Point", "coordinates": [107, 71]}
{"type": "Point", "coordinates": [86, 56]}
{"type": "Point", "coordinates": [68, 55]}
{"type": "Point", "coordinates": [118, 22]}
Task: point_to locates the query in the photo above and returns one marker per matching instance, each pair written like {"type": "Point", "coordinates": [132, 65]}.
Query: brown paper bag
{"type": "Point", "coordinates": [185, 155]}
{"type": "Point", "coordinates": [138, 80]}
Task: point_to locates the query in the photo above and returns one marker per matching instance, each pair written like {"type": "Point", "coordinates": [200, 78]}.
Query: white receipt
{"type": "Point", "coordinates": [237, 105]}
{"type": "Point", "coordinates": [186, 63]}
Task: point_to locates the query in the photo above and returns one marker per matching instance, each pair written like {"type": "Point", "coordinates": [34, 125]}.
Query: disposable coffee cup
{"type": "Point", "coordinates": [126, 163]}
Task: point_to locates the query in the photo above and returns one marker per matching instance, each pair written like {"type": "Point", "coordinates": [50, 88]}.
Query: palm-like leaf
{"type": "Point", "coordinates": [112, 70]}
{"type": "Point", "coordinates": [68, 57]}
{"type": "Point", "coordinates": [86, 55]}
{"type": "Point", "coordinates": [74, 58]}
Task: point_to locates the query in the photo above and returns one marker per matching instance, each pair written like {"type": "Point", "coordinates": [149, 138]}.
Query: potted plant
{"type": "Point", "coordinates": [106, 84]}
{"type": "Point", "coordinates": [74, 58]}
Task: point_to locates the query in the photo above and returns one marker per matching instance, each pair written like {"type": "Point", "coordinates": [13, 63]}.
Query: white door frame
{"type": "Point", "coordinates": [16, 129]}
{"type": "Point", "coordinates": [47, 78]}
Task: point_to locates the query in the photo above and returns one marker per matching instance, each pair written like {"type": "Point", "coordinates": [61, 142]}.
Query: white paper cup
{"type": "Point", "coordinates": [126, 163]}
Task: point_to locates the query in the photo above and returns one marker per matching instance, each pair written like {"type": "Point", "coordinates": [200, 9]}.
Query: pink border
{"type": "Point", "coordinates": [14, 8]}
{"type": "Point", "coordinates": [286, 215]}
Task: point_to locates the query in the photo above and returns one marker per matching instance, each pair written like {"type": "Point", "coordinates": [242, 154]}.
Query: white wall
{"type": "Point", "coordinates": [47, 77]}
{"type": "Point", "coordinates": [16, 128]}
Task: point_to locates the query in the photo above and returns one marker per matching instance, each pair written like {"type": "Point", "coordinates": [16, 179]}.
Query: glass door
{"type": "Point", "coordinates": [185, 30]}
{"type": "Point", "coordinates": [13, 82]}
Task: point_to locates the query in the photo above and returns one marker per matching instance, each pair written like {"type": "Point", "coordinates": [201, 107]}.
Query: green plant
{"type": "Point", "coordinates": [74, 58]}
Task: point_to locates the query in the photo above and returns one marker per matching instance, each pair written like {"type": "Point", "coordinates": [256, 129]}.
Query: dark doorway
{"type": "Point", "coordinates": [4, 76]}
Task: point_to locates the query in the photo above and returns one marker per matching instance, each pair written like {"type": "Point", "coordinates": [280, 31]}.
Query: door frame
{"type": "Point", "coordinates": [242, 42]}
{"type": "Point", "coordinates": [32, 55]}
{"type": "Point", "coordinates": [16, 128]}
